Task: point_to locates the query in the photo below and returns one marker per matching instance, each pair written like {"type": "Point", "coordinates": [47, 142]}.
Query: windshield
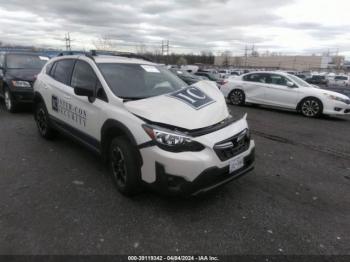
{"type": "Point", "coordinates": [318, 77]}
{"type": "Point", "coordinates": [212, 77]}
{"type": "Point", "coordinates": [135, 81]}
{"type": "Point", "coordinates": [23, 61]}
{"type": "Point", "coordinates": [299, 81]}
{"type": "Point", "coordinates": [185, 73]}
{"type": "Point", "coordinates": [341, 78]}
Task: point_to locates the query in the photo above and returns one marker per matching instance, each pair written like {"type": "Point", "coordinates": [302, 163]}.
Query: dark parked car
{"type": "Point", "coordinates": [187, 77]}
{"type": "Point", "coordinates": [17, 74]}
{"type": "Point", "coordinates": [211, 77]}
{"type": "Point", "coordinates": [317, 80]}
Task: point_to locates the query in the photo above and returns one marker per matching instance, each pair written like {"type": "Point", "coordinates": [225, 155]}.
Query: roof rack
{"type": "Point", "coordinates": [94, 53]}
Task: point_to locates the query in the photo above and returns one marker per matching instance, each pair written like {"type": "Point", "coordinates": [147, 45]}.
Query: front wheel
{"type": "Point", "coordinates": [311, 107]}
{"type": "Point", "coordinates": [124, 166]}
{"type": "Point", "coordinates": [237, 97]}
{"type": "Point", "coordinates": [9, 102]}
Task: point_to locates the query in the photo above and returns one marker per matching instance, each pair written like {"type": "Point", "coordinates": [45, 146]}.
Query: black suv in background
{"type": "Point", "coordinates": [187, 77]}
{"type": "Point", "coordinates": [17, 74]}
{"type": "Point", "coordinates": [317, 80]}
{"type": "Point", "coordinates": [211, 77]}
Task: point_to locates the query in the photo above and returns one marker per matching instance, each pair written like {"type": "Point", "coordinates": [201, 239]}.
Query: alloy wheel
{"type": "Point", "coordinates": [237, 97]}
{"type": "Point", "coordinates": [310, 108]}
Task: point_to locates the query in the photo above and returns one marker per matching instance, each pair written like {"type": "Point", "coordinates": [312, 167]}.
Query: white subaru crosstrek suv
{"type": "Point", "coordinates": [149, 126]}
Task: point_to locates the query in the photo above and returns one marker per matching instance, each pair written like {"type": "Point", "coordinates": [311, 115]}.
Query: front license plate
{"type": "Point", "coordinates": [236, 164]}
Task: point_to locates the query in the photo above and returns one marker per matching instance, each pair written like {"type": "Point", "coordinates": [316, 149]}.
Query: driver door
{"type": "Point", "coordinates": [279, 93]}
{"type": "Point", "coordinates": [87, 111]}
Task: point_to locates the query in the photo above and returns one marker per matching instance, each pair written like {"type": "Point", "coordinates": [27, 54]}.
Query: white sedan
{"type": "Point", "coordinates": [287, 91]}
{"type": "Point", "coordinates": [340, 80]}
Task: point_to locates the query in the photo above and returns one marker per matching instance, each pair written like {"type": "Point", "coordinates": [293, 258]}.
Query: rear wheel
{"type": "Point", "coordinates": [124, 166]}
{"type": "Point", "coordinates": [311, 107]}
{"type": "Point", "coordinates": [43, 122]}
{"type": "Point", "coordinates": [237, 97]}
{"type": "Point", "coordinates": [9, 102]}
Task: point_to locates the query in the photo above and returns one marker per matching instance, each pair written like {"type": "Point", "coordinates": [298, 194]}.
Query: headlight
{"type": "Point", "coordinates": [172, 141]}
{"type": "Point", "coordinates": [23, 84]}
{"type": "Point", "coordinates": [332, 97]}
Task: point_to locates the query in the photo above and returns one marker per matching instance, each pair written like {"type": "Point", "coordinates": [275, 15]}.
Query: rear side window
{"type": "Point", "coordinates": [62, 71]}
{"type": "Point", "coordinates": [254, 78]}
{"type": "Point", "coordinates": [48, 68]}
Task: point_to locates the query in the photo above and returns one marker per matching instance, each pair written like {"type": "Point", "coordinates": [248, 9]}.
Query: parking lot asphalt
{"type": "Point", "coordinates": [56, 197]}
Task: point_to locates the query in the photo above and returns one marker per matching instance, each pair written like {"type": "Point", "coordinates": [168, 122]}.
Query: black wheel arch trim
{"type": "Point", "coordinates": [38, 98]}
{"type": "Point", "coordinates": [112, 124]}
{"type": "Point", "coordinates": [307, 97]}
{"type": "Point", "coordinates": [237, 88]}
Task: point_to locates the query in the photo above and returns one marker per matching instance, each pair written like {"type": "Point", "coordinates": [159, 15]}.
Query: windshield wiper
{"type": "Point", "coordinates": [126, 99]}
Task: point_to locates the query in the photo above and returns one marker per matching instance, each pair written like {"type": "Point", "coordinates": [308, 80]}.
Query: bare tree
{"type": "Point", "coordinates": [105, 42]}
{"type": "Point", "coordinates": [226, 57]}
{"type": "Point", "coordinates": [181, 61]}
{"type": "Point", "coordinates": [141, 49]}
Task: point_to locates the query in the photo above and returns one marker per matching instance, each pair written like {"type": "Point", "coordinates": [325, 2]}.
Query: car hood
{"type": "Point", "coordinates": [328, 92]}
{"type": "Point", "coordinates": [22, 74]}
{"type": "Point", "coordinates": [166, 109]}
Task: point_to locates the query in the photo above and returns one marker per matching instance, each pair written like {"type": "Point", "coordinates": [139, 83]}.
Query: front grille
{"type": "Point", "coordinates": [233, 146]}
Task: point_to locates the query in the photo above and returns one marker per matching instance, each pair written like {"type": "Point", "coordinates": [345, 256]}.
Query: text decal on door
{"type": "Point", "coordinates": [193, 97]}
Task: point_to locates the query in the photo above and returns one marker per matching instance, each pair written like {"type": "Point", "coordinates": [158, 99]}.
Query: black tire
{"type": "Point", "coordinates": [43, 122]}
{"type": "Point", "coordinates": [10, 104]}
{"type": "Point", "coordinates": [237, 97]}
{"type": "Point", "coordinates": [311, 107]}
{"type": "Point", "coordinates": [125, 169]}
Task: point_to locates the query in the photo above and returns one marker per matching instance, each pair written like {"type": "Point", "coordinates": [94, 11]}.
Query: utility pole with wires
{"type": "Point", "coordinates": [245, 55]}
{"type": "Point", "coordinates": [248, 51]}
{"type": "Point", "coordinates": [68, 41]}
{"type": "Point", "coordinates": [165, 47]}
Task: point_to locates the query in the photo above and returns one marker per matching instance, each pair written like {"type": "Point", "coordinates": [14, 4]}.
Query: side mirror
{"type": "Point", "coordinates": [84, 91]}
{"type": "Point", "coordinates": [291, 84]}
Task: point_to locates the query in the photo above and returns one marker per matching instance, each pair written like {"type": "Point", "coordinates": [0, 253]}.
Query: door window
{"type": "Point", "coordinates": [84, 76]}
{"type": "Point", "coordinates": [278, 80]}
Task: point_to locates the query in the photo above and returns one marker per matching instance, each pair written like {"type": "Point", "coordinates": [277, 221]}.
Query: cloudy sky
{"type": "Point", "coordinates": [288, 26]}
